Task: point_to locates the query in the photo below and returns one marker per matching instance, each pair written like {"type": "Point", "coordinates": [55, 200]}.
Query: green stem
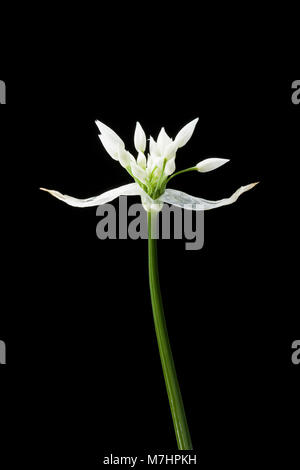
{"type": "Point", "coordinates": [182, 171]}
{"type": "Point", "coordinates": [160, 178]}
{"type": "Point", "coordinates": [175, 399]}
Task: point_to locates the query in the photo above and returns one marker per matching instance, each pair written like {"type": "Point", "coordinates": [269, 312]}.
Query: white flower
{"type": "Point", "coordinates": [152, 174]}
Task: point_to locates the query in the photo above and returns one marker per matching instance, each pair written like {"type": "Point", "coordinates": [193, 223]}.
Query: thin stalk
{"type": "Point", "coordinates": [160, 178]}
{"type": "Point", "coordinates": [182, 171]}
{"type": "Point", "coordinates": [175, 399]}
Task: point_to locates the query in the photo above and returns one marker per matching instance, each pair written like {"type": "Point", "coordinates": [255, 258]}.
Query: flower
{"type": "Point", "coordinates": [152, 173]}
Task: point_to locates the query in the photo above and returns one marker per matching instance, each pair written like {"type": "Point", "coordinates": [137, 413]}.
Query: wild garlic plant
{"type": "Point", "coordinates": [151, 175]}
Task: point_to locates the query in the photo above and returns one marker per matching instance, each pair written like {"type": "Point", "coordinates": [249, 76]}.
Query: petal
{"type": "Point", "coordinates": [163, 141]}
{"type": "Point", "coordinates": [158, 162]}
{"type": "Point", "coordinates": [170, 167]}
{"type": "Point", "coordinates": [211, 164]}
{"type": "Point", "coordinates": [154, 150]}
{"type": "Point", "coordinates": [138, 172]}
{"type": "Point", "coordinates": [150, 162]}
{"type": "Point", "coordinates": [125, 157]}
{"type": "Point", "coordinates": [131, 189]}
{"type": "Point", "coordinates": [105, 130]}
{"type": "Point", "coordinates": [170, 150]}
{"type": "Point", "coordinates": [180, 199]}
{"type": "Point", "coordinates": [110, 145]}
{"type": "Point", "coordinates": [139, 138]}
{"type": "Point", "coordinates": [141, 160]}
{"type": "Point", "coordinates": [186, 133]}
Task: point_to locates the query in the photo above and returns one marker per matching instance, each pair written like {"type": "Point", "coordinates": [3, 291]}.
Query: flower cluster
{"type": "Point", "coordinates": [151, 173]}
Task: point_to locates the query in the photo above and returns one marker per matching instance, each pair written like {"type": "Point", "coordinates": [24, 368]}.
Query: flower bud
{"type": "Point", "coordinates": [139, 138]}
{"type": "Point", "coordinates": [110, 145]}
{"type": "Point", "coordinates": [210, 164]}
{"type": "Point", "coordinates": [186, 133]}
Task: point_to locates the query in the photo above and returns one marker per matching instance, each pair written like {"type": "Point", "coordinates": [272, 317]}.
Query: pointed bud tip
{"type": "Point", "coordinates": [251, 185]}
{"type": "Point", "coordinates": [50, 191]}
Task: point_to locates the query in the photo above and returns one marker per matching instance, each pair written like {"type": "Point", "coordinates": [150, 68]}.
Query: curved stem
{"type": "Point", "coordinates": [175, 399]}
{"type": "Point", "coordinates": [182, 171]}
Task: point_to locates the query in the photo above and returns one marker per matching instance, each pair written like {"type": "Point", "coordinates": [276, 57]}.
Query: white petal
{"type": "Point", "coordinates": [139, 138]}
{"type": "Point", "coordinates": [186, 133]}
{"type": "Point", "coordinates": [163, 141]}
{"type": "Point", "coordinates": [125, 157]}
{"type": "Point", "coordinates": [105, 130]}
{"type": "Point", "coordinates": [170, 167]}
{"type": "Point", "coordinates": [110, 145]}
{"type": "Point", "coordinates": [131, 189]}
{"type": "Point", "coordinates": [211, 164]}
{"type": "Point", "coordinates": [180, 199]}
{"type": "Point", "coordinates": [150, 162]}
{"type": "Point", "coordinates": [154, 150]}
{"type": "Point", "coordinates": [141, 160]}
{"type": "Point", "coordinates": [170, 151]}
{"type": "Point", "coordinates": [138, 172]}
{"type": "Point", "coordinates": [158, 162]}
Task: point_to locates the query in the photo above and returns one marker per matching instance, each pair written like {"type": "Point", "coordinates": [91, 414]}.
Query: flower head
{"type": "Point", "coordinates": [152, 171]}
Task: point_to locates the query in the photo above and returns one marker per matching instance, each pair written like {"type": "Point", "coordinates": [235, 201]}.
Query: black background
{"type": "Point", "coordinates": [83, 377]}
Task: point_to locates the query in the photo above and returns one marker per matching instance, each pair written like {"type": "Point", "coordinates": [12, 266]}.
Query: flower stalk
{"type": "Point", "coordinates": [151, 174]}
{"type": "Point", "coordinates": [173, 389]}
